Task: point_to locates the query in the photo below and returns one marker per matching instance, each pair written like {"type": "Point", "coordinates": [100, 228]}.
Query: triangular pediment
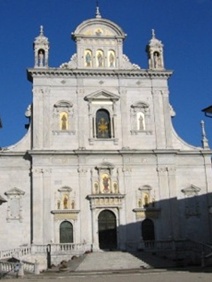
{"type": "Point", "coordinates": [102, 95]}
{"type": "Point", "coordinates": [14, 191]}
{"type": "Point", "coordinates": [191, 190]}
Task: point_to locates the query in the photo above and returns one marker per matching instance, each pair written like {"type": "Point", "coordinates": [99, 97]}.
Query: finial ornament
{"type": "Point", "coordinates": [153, 33]}
{"type": "Point", "coordinates": [41, 30]}
{"type": "Point", "coordinates": [98, 15]}
{"type": "Point", "coordinates": [204, 138]}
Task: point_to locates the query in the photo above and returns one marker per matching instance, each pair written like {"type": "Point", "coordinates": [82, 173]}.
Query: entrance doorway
{"type": "Point", "coordinates": [148, 230]}
{"type": "Point", "coordinates": [107, 230]}
{"type": "Point", "coordinates": [66, 232]}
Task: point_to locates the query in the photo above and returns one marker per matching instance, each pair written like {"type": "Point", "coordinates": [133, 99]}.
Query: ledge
{"type": "Point", "coordinates": [58, 72]}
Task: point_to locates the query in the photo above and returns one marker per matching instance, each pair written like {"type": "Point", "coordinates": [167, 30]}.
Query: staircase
{"type": "Point", "coordinates": [79, 258]}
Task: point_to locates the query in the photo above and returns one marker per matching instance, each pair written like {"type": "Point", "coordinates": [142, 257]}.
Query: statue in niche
{"type": "Point", "coordinates": [73, 205]}
{"type": "Point", "coordinates": [141, 123]}
{"type": "Point", "coordinates": [64, 122]}
{"type": "Point", "coordinates": [111, 60]}
{"type": "Point", "coordinates": [41, 58]}
{"type": "Point", "coordinates": [100, 59]}
{"type": "Point", "coordinates": [156, 60]}
{"type": "Point", "coordinates": [88, 59]}
{"type": "Point", "coordinates": [96, 187]}
{"type": "Point", "coordinates": [65, 202]}
{"type": "Point", "coordinates": [115, 186]}
{"type": "Point", "coordinates": [139, 203]}
{"type": "Point", "coordinates": [105, 181]}
{"type": "Point", "coordinates": [146, 201]}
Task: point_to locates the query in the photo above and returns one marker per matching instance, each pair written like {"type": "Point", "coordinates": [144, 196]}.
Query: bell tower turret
{"type": "Point", "coordinates": [41, 50]}
{"type": "Point", "coordinates": [155, 53]}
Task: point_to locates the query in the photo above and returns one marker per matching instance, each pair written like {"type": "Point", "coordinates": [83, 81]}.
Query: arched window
{"type": "Point", "coordinates": [103, 126]}
{"type": "Point", "coordinates": [66, 232]}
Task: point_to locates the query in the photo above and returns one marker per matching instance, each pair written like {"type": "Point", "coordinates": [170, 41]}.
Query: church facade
{"type": "Point", "coordinates": [101, 162]}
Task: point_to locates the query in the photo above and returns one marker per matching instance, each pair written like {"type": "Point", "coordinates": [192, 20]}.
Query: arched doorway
{"type": "Point", "coordinates": [148, 230]}
{"type": "Point", "coordinates": [107, 230]}
{"type": "Point", "coordinates": [66, 232]}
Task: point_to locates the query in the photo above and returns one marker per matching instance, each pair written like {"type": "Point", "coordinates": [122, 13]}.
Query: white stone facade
{"type": "Point", "coordinates": [101, 162]}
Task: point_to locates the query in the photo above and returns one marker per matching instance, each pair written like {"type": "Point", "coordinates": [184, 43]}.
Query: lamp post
{"type": "Point", "coordinates": [208, 111]}
{"type": "Point", "coordinates": [2, 200]}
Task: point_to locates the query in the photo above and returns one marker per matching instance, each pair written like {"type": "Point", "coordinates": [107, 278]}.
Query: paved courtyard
{"type": "Point", "coordinates": [145, 276]}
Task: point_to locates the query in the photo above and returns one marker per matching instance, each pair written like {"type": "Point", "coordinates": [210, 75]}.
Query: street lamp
{"type": "Point", "coordinates": [208, 111]}
{"type": "Point", "coordinates": [2, 200]}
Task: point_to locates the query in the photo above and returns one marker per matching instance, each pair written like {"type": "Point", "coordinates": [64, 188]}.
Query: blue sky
{"type": "Point", "coordinates": [184, 27]}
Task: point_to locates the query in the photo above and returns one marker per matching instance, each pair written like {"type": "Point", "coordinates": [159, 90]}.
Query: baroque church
{"type": "Point", "coordinates": [101, 163]}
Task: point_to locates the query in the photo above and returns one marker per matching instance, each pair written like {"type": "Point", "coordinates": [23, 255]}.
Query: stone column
{"type": "Point", "coordinates": [123, 128]}
{"type": "Point", "coordinates": [124, 212]}
{"type": "Point", "coordinates": [167, 118]}
{"type": "Point", "coordinates": [173, 202]}
{"type": "Point", "coordinates": [84, 232]}
{"type": "Point", "coordinates": [37, 206]}
{"type": "Point", "coordinates": [37, 138]}
{"type": "Point", "coordinates": [47, 217]}
{"type": "Point", "coordinates": [159, 126]}
{"type": "Point", "coordinates": [165, 231]}
{"type": "Point", "coordinates": [95, 237]}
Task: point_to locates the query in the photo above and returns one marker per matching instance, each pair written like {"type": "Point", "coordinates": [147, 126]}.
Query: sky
{"type": "Point", "coordinates": [184, 27]}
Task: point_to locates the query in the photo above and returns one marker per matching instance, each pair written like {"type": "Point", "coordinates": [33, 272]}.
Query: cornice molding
{"type": "Point", "coordinates": [57, 72]}
{"type": "Point", "coordinates": [120, 152]}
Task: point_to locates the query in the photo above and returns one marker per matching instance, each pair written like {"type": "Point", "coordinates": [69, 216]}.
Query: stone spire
{"type": "Point", "coordinates": [41, 50]}
{"type": "Point", "coordinates": [204, 138]}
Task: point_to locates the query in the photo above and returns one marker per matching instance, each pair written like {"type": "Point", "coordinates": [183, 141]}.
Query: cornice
{"type": "Point", "coordinates": [121, 152]}
{"type": "Point", "coordinates": [86, 73]}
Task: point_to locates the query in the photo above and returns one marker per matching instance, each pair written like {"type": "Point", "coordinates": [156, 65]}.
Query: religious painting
{"type": "Point", "coordinates": [105, 183]}
{"type": "Point", "coordinates": [103, 124]}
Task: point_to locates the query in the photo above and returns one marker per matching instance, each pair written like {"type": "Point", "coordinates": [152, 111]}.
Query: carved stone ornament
{"type": "Point", "coordinates": [191, 190]}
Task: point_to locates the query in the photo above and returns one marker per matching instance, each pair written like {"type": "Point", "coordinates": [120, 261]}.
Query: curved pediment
{"type": "Point", "coordinates": [98, 27]}
{"type": "Point", "coordinates": [105, 165]}
{"type": "Point", "coordinates": [102, 95]}
{"type": "Point", "coordinates": [63, 104]}
{"type": "Point", "coordinates": [140, 105]}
